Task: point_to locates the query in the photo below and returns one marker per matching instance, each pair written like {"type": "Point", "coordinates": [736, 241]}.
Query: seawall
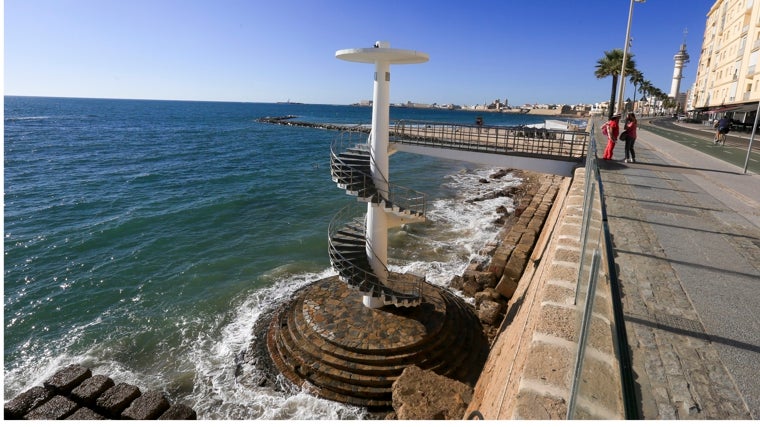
{"type": "Point", "coordinates": [530, 369]}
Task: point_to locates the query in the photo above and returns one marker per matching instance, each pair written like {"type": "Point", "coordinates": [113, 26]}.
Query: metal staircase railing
{"type": "Point", "coordinates": [350, 168]}
{"type": "Point", "coordinates": [350, 160]}
{"type": "Point", "coordinates": [348, 255]}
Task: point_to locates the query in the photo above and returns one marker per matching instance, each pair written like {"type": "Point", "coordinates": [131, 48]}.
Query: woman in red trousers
{"type": "Point", "coordinates": [611, 129]}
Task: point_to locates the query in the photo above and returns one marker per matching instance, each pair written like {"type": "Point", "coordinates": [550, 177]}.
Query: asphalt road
{"type": "Point", "coordinates": [700, 137]}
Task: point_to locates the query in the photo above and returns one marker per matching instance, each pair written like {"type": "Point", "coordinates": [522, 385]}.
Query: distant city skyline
{"type": "Point", "coordinates": [237, 50]}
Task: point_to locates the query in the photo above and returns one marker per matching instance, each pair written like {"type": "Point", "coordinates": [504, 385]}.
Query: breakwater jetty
{"type": "Point", "coordinates": [74, 393]}
{"type": "Point", "coordinates": [288, 121]}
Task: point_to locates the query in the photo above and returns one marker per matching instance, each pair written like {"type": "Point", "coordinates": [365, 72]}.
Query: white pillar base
{"type": "Point", "coordinates": [372, 302]}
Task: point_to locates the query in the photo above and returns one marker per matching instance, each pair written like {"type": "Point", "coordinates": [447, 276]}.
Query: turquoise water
{"type": "Point", "coordinates": [144, 238]}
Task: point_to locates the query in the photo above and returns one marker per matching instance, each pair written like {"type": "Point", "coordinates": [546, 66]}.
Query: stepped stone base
{"type": "Point", "coordinates": [327, 340]}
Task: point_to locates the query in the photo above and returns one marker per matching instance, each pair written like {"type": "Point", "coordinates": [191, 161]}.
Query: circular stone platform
{"type": "Point", "coordinates": [327, 340]}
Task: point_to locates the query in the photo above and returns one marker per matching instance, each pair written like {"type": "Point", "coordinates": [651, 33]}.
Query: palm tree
{"type": "Point", "coordinates": [636, 78]}
{"type": "Point", "coordinates": [645, 89]}
{"type": "Point", "coordinates": [610, 65]}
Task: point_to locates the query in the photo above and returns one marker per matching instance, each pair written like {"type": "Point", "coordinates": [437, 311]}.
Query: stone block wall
{"type": "Point", "coordinates": [493, 284]}
{"type": "Point", "coordinates": [529, 373]}
{"type": "Point", "coordinates": [73, 393]}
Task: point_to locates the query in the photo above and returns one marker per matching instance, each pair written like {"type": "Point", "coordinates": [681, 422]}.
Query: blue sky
{"type": "Point", "coordinates": [526, 51]}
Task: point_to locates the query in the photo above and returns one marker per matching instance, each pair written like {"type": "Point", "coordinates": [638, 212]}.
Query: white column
{"type": "Point", "coordinates": [377, 220]}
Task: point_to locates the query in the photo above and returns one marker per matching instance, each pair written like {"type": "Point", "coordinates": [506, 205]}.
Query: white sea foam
{"type": "Point", "coordinates": [220, 393]}
{"type": "Point", "coordinates": [457, 229]}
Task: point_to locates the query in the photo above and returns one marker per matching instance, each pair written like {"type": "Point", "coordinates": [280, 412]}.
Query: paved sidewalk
{"type": "Point", "coordinates": [685, 229]}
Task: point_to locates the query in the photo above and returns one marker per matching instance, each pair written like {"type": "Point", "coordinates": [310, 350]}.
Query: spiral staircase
{"type": "Point", "coordinates": [351, 169]}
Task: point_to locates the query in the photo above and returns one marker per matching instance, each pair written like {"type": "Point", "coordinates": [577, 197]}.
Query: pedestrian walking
{"type": "Point", "coordinates": [611, 129]}
{"type": "Point", "coordinates": [630, 137]}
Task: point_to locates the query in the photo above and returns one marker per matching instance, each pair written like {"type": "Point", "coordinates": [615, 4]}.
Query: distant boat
{"type": "Point", "coordinates": [288, 102]}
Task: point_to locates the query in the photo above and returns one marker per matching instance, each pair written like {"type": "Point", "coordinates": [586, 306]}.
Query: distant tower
{"type": "Point", "coordinates": [680, 58]}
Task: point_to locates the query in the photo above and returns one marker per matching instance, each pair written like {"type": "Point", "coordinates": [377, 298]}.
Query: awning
{"type": "Point", "coordinates": [746, 108]}
{"type": "Point", "coordinates": [722, 110]}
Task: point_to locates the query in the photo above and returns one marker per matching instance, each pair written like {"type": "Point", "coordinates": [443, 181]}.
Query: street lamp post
{"type": "Point", "coordinates": [625, 56]}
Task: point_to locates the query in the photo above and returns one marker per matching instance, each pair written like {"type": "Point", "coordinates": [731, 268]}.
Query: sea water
{"type": "Point", "coordinates": [144, 239]}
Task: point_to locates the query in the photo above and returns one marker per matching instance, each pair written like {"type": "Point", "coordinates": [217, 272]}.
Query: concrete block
{"type": "Point", "coordinates": [86, 414]}
{"type": "Point", "coordinates": [568, 255]}
{"type": "Point", "coordinates": [67, 378]}
{"type": "Point", "coordinates": [559, 321]}
{"type": "Point", "coordinates": [600, 388]}
{"type": "Point", "coordinates": [537, 406]}
{"type": "Point", "coordinates": [91, 388]}
{"type": "Point", "coordinates": [149, 406]}
{"type": "Point", "coordinates": [550, 365]}
{"type": "Point", "coordinates": [498, 261]}
{"type": "Point", "coordinates": [179, 412]}
{"type": "Point", "coordinates": [117, 398]}
{"type": "Point", "coordinates": [563, 295]}
{"type": "Point", "coordinates": [57, 408]}
{"type": "Point", "coordinates": [565, 271]}
{"type": "Point", "coordinates": [507, 286]}
{"type": "Point", "coordinates": [16, 408]}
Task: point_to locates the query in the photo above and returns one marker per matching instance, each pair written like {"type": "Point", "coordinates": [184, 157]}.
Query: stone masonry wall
{"type": "Point", "coordinates": [73, 393]}
{"type": "Point", "coordinates": [493, 284]}
{"type": "Point", "coordinates": [529, 372]}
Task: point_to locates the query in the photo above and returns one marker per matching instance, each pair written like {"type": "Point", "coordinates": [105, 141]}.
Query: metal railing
{"type": "Point", "coordinates": [528, 141]}
{"type": "Point", "coordinates": [597, 275]}
{"type": "Point", "coordinates": [401, 289]}
{"type": "Point", "coordinates": [406, 199]}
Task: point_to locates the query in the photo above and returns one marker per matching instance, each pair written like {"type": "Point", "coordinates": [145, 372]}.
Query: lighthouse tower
{"type": "Point", "coordinates": [680, 59]}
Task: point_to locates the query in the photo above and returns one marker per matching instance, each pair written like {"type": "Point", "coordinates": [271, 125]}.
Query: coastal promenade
{"type": "Point", "coordinates": [685, 229]}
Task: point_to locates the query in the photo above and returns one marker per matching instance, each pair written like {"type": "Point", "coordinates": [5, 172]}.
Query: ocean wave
{"type": "Point", "coordinates": [26, 119]}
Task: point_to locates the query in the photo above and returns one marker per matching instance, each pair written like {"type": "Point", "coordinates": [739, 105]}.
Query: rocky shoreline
{"type": "Point", "coordinates": [493, 283]}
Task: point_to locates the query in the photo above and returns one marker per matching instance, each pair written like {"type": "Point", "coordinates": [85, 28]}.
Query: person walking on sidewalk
{"type": "Point", "coordinates": [611, 129]}
{"type": "Point", "coordinates": [630, 137]}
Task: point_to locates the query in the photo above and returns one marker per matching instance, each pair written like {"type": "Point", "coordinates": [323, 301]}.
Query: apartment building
{"type": "Point", "coordinates": [728, 75]}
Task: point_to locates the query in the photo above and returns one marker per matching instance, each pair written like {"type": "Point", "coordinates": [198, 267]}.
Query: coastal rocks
{"type": "Point", "coordinates": [288, 121]}
{"type": "Point", "coordinates": [490, 312]}
{"type": "Point", "coordinates": [424, 395]}
{"type": "Point", "coordinates": [73, 393]}
{"type": "Point", "coordinates": [494, 282]}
